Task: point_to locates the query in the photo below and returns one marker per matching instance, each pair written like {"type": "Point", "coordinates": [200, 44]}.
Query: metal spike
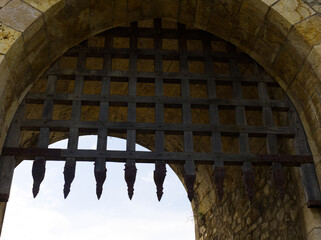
{"type": "Point", "coordinates": [219, 175]}
{"type": "Point", "coordinates": [69, 175]}
{"type": "Point", "coordinates": [189, 178]}
{"type": "Point", "coordinates": [100, 175]}
{"type": "Point", "coordinates": [130, 177]}
{"type": "Point", "coordinates": [249, 180]}
{"type": "Point", "coordinates": [278, 179]}
{"type": "Point", "coordinates": [38, 174]}
{"type": "Point", "coordinates": [159, 177]}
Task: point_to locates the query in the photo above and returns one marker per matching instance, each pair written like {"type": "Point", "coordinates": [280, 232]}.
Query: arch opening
{"type": "Point", "coordinates": [228, 113]}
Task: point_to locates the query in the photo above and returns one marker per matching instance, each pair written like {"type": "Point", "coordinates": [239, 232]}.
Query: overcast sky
{"type": "Point", "coordinates": [81, 216]}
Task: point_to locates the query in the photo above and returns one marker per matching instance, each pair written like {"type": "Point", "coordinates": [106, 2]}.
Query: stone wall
{"type": "Point", "coordinates": [283, 36]}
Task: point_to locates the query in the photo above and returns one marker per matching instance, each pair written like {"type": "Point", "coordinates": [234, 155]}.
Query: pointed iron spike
{"type": "Point", "coordinates": [100, 175]}
{"type": "Point", "coordinates": [189, 181]}
{"type": "Point", "coordinates": [99, 191]}
{"type": "Point", "coordinates": [130, 177]}
{"type": "Point", "coordinates": [69, 175]}
{"type": "Point", "coordinates": [219, 175]}
{"type": "Point", "coordinates": [38, 174]}
{"type": "Point", "coordinates": [249, 181]}
{"type": "Point", "coordinates": [66, 191]}
{"type": "Point", "coordinates": [159, 177]}
{"type": "Point", "coordinates": [35, 190]}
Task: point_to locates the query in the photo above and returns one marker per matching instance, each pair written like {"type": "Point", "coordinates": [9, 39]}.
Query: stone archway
{"type": "Point", "coordinates": [283, 37]}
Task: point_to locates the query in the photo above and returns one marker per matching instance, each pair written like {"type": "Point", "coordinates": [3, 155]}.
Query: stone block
{"type": "Point", "coordinates": [314, 234]}
{"type": "Point", "coordinates": [37, 51]}
{"type": "Point", "coordinates": [286, 65]}
{"type": "Point", "coordinates": [312, 218]}
{"type": "Point", "coordinates": [147, 9]}
{"type": "Point", "coordinates": [314, 60]}
{"type": "Point", "coordinates": [100, 6]}
{"type": "Point", "coordinates": [120, 13]}
{"type": "Point", "coordinates": [56, 29]}
{"type": "Point", "coordinates": [187, 12]}
{"type": "Point", "coordinates": [8, 36]}
{"type": "Point", "coordinates": [19, 15]}
{"type": "Point", "coordinates": [251, 17]}
{"type": "Point", "coordinates": [217, 18]}
{"type": "Point", "coordinates": [101, 21]}
{"type": "Point", "coordinates": [286, 13]}
{"type": "Point", "coordinates": [267, 44]}
{"type": "Point", "coordinates": [2, 4]}
{"type": "Point", "coordinates": [167, 8]}
{"type": "Point", "coordinates": [43, 6]}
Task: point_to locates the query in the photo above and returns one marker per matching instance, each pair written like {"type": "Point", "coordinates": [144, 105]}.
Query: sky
{"type": "Point", "coordinates": [81, 216]}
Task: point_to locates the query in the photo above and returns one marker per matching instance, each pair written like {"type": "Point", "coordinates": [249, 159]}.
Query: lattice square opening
{"type": "Point", "coordinates": [84, 145]}
{"type": "Point", "coordinates": [246, 68]}
{"type": "Point", "coordinates": [254, 116]}
{"type": "Point", "coordinates": [40, 86]}
{"type": "Point", "coordinates": [196, 67]}
{"type": "Point", "coordinates": [198, 88]}
{"type": "Point", "coordinates": [286, 144]}
{"type": "Point", "coordinates": [172, 88]}
{"type": "Point", "coordinates": [146, 23]}
{"type": "Point", "coordinates": [280, 117]}
{"type": "Point", "coordinates": [120, 64]}
{"type": "Point", "coordinates": [224, 90]}
{"type": "Point", "coordinates": [68, 62]}
{"type": "Point", "coordinates": [117, 112]}
{"type": "Point", "coordinates": [145, 112]}
{"type": "Point", "coordinates": [194, 45]}
{"type": "Point", "coordinates": [57, 135]}
{"type": "Point", "coordinates": [119, 86]}
{"type": "Point", "coordinates": [257, 144]}
{"type": "Point", "coordinates": [226, 116]}
{"type": "Point", "coordinates": [200, 114]}
{"type": "Point", "coordinates": [62, 111]}
{"type": "Point", "coordinates": [221, 68]}
{"type": "Point", "coordinates": [89, 113]}
{"type": "Point", "coordinates": [33, 111]}
{"type": "Point", "coordinates": [145, 87]}
{"type": "Point", "coordinates": [92, 87]}
{"type": "Point", "coordinates": [172, 113]}
{"type": "Point", "coordinates": [230, 143]}
{"type": "Point", "coordinates": [250, 91]}
{"type": "Point", "coordinates": [202, 142]}
{"type": "Point", "coordinates": [121, 42]}
{"type": "Point", "coordinates": [275, 92]}
{"type": "Point", "coordinates": [145, 65]}
{"type": "Point", "coordinates": [145, 43]}
{"type": "Point", "coordinates": [146, 138]}
{"type": "Point", "coordinates": [171, 66]}
{"type": "Point", "coordinates": [93, 63]}
{"type": "Point", "coordinates": [65, 85]}
{"type": "Point", "coordinates": [29, 138]}
{"type": "Point", "coordinates": [174, 141]}
{"type": "Point", "coordinates": [118, 134]}
{"type": "Point", "coordinates": [168, 24]}
{"type": "Point", "coordinates": [170, 44]}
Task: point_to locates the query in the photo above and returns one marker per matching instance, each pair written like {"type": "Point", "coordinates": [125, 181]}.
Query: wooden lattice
{"type": "Point", "coordinates": [165, 81]}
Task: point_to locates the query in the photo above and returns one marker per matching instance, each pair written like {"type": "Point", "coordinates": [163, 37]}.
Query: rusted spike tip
{"type": "Point", "coordinates": [66, 193]}
{"type": "Point", "coordinates": [35, 190]}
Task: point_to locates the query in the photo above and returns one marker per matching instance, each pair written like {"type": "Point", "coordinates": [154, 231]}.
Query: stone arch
{"type": "Point", "coordinates": [284, 37]}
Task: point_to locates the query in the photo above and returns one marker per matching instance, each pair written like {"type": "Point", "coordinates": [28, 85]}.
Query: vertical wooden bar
{"type": "Point", "coordinates": [8, 163]}
{"type": "Point", "coordinates": [189, 166]}
{"type": "Point", "coordinates": [216, 140]}
{"type": "Point", "coordinates": [100, 163]}
{"type": "Point", "coordinates": [39, 164]}
{"type": "Point", "coordinates": [307, 170]}
{"type": "Point", "coordinates": [130, 168]}
{"type": "Point", "coordinates": [248, 173]}
{"type": "Point", "coordinates": [271, 139]}
{"type": "Point", "coordinates": [160, 166]}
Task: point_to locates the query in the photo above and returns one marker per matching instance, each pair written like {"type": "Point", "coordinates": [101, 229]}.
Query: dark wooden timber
{"type": "Point", "coordinates": [233, 91]}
